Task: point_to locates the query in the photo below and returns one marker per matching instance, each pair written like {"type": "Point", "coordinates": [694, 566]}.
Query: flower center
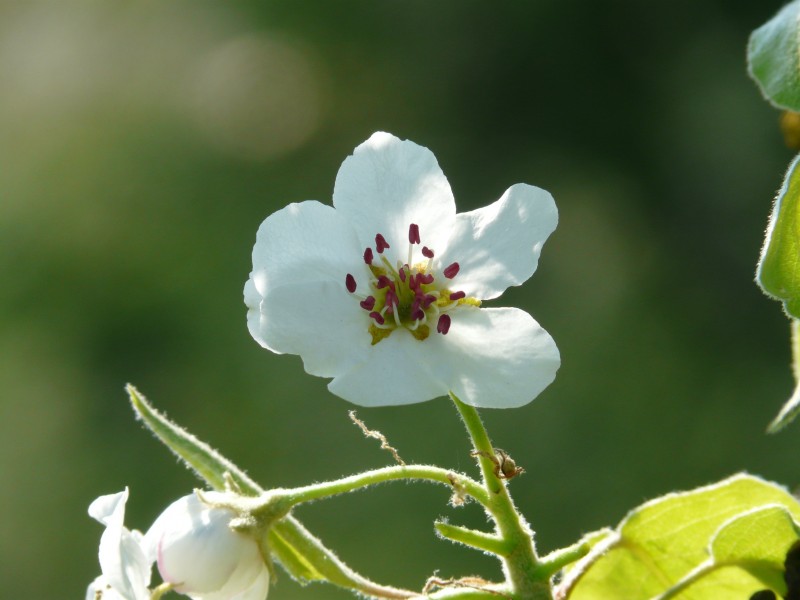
{"type": "Point", "coordinates": [411, 294]}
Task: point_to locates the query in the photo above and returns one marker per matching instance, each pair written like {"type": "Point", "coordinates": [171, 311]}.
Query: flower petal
{"type": "Point", "coordinates": [304, 242]}
{"type": "Point", "coordinates": [250, 580]}
{"type": "Point", "coordinates": [391, 375]}
{"type": "Point", "coordinates": [322, 322]}
{"type": "Point", "coordinates": [498, 246]}
{"type": "Point", "coordinates": [493, 357]}
{"type": "Point", "coordinates": [388, 184]}
{"type": "Point", "coordinates": [197, 552]}
{"type": "Point", "coordinates": [125, 566]}
{"type": "Point", "coordinates": [100, 589]}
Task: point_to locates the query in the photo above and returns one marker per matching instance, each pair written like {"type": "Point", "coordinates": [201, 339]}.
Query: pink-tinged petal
{"type": "Point", "coordinates": [492, 357]}
{"type": "Point", "coordinates": [197, 551]}
{"type": "Point", "coordinates": [305, 242]}
{"type": "Point", "coordinates": [388, 184]}
{"type": "Point", "coordinates": [499, 245]}
{"type": "Point", "coordinates": [322, 322]}
{"type": "Point", "coordinates": [391, 374]}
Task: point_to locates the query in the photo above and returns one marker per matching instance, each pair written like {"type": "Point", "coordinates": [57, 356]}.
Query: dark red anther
{"type": "Point", "coordinates": [413, 234]}
{"type": "Point", "coordinates": [378, 317]}
{"type": "Point", "coordinates": [381, 244]}
{"type": "Point", "coordinates": [350, 283]}
{"type": "Point", "coordinates": [427, 252]}
{"type": "Point", "coordinates": [428, 300]}
{"type": "Point", "coordinates": [443, 326]}
{"type": "Point", "coordinates": [457, 295]}
{"type": "Point", "coordinates": [451, 271]}
{"type": "Point", "coordinates": [368, 256]}
{"type": "Point", "coordinates": [384, 281]}
{"type": "Point", "coordinates": [417, 314]}
{"type": "Point", "coordinates": [425, 278]}
{"type": "Point", "coordinates": [402, 274]}
{"type": "Point", "coordinates": [367, 303]}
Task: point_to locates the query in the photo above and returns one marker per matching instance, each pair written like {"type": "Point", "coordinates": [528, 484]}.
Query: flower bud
{"type": "Point", "coordinates": [202, 557]}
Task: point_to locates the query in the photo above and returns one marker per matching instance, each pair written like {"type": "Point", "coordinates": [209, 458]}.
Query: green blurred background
{"type": "Point", "coordinates": [142, 143]}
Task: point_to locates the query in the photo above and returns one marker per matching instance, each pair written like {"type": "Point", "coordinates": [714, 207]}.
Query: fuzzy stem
{"type": "Point", "coordinates": [486, 542]}
{"type": "Point", "coordinates": [521, 564]}
{"type": "Point", "coordinates": [319, 491]}
{"type": "Point", "coordinates": [558, 559]}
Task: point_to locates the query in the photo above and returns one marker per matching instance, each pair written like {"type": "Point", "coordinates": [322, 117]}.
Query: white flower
{"type": "Point", "coordinates": [382, 291]}
{"type": "Point", "coordinates": [124, 558]}
{"type": "Point", "coordinates": [202, 557]}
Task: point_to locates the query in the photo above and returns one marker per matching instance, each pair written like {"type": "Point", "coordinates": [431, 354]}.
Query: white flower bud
{"type": "Point", "coordinates": [202, 557]}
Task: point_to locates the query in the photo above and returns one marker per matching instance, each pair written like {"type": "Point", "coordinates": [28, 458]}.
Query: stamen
{"type": "Point", "coordinates": [402, 273]}
{"type": "Point", "coordinates": [384, 281]}
{"type": "Point", "coordinates": [425, 278]}
{"type": "Point", "coordinates": [381, 244]}
{"type": "Point", "coordinates": [443, 325]}
{"type": "Point", "coordinates": [452, 270]}
{"type": "Point", "coordinates": [418, 314]}
{"type": "Point", "coordinates": [350, 283]}
{"type": "Point", "coordinates": [427, 252]}
{"type": "Point", "coordinates": [368, 256]}
{"type": "Point", "coordinates": [428, 300]}
{"type": "Point", "coordinates": [368, 303]}
{"type": "Point", "coordinates": [413, 234]}
{"type": "Point", "coordinates": [391, 299]}
{"type": "Point", "coordinates": [458, 295]}
{"type": "Point", "coordinates": [379, 318]}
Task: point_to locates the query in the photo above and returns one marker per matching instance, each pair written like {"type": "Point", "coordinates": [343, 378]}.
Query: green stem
{"type": "Point", "coordinates": [521, 564]}
{"type": "Point", "coordinates": [558, 559]}
{"type": "Point", "coordinates": [318, 491]}
{"type": "Point", "coordinates": [486, 542]}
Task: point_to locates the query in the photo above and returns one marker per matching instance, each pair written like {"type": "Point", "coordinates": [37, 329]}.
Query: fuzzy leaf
{"type": "Point", "coordinates": [773, 57]}
{"type": "Point", "coordinates": [779, 266]}
{"type": "Point", "coordinates": [286, 536]}
{"type": "Point", "coordinates": [665, 540]}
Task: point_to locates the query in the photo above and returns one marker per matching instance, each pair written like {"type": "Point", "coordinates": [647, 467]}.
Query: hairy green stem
{"type": "Point", "coordinates": [461, 483]}
{"type": "Point", "coordinates": [521, 564]}
{"type": "Point", "coordinates": [480, 540]}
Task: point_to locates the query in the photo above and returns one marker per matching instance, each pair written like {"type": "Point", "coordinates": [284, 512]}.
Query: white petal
{"type": "Point", "coordinates": [391, 374]}
{"type": "Point", "coordinates": [258, 590]}
{"type": "Point", "coordinates": [388, 184]}
{"type": "Point", "coordinates": [493, 357]}
{"type": "Point", "coordinates": [123, 561]}
{"type": "Point", "coordinates": [499, 245]}
{"type": "Point", "coordinates": [303, 242]}
{"type": "Point", "coordinates": [100, 589]}
{"type": "Point", "coordinates": [196, 549]}
{"type": "Point", "coordinates": [250, 580]}
{"type": "Point", "coordinates": [322, 322]}
{"type": "Point", "coordinates": [109, 508]}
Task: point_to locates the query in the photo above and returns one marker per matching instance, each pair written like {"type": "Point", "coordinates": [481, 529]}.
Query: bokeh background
{"type": "Point", "coordinates": [142, 143]}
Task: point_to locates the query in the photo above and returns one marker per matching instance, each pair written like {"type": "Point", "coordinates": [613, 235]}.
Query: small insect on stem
{"type": "Point", "coordinates": [504, 465]}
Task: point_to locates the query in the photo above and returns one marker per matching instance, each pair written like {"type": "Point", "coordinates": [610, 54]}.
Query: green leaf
{"type": "Point", "coordinates": [773, 58]}
{"type": "Point", "coordinates": [791, 408]}
{"type": "Point", "coordinates": [303, 555]}
{"type": "Point", "coordinates": [779, 265]}
{"type": "Point", "coordinates": [746, 555]}
{"type": "Point", "coordinates": [209, 464]}
{"type": "Point", "coordinates": [665, 540]}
